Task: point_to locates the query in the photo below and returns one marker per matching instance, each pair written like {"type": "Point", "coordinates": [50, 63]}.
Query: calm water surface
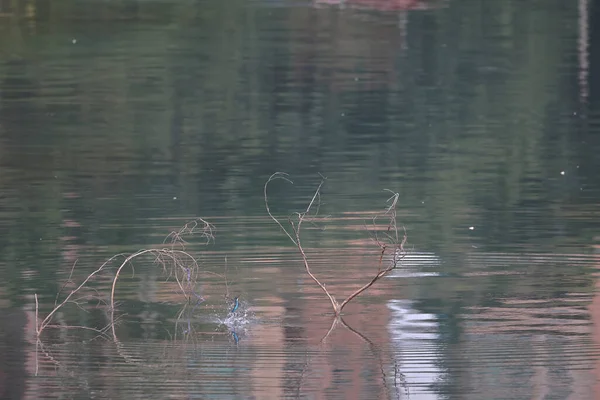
{"type": "Point", "coordinates": [122, 121]}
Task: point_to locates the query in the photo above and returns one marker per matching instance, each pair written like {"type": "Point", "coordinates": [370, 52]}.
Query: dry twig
{"type": "Point", "coordinates": [392, 241]}
{"type": "Point", "coordinates": [175, 261]}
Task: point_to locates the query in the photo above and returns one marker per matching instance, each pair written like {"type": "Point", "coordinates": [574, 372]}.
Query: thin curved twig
{"type": "Point", "coordinates": [296, 229]}
{"type": "Point", "coordinates": [399, 254]}
{"type": "Point", "coordinates": [284, 176]}
{"type": "Point", "coordinates": [46, 321]}
{"type": "Point", "coordinates": [175, 256]}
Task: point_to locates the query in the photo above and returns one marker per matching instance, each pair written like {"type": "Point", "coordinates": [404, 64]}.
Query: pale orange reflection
{"type": "Point", "coordinates": [269, 336]}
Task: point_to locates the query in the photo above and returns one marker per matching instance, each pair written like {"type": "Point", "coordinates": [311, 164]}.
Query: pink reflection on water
{"type": "Point", "coordinates": [382, 5]}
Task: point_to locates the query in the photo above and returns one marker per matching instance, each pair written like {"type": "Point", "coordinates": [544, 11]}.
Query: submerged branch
{"type": "Point", "coordinates": [175, 261]}
{"type": "Point", "coordinates": [391, 233]}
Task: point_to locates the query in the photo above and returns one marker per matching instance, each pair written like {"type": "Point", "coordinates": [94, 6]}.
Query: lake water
{"type": "Point", "coordinates": [121, 121]}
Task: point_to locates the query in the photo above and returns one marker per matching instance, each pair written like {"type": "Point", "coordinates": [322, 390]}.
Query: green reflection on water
{"type": "Point", "coordinates": [122, 119]}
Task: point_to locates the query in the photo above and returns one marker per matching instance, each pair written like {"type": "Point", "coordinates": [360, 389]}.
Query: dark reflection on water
{"type": "Point", "coordinates": [121, 121]}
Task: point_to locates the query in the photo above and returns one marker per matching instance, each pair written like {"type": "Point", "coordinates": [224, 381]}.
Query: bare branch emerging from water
{"type": "Point", "coordinates": [296, 230]}
{"type": "Point", "coordinates": [175, 261]}
{"type": "Point", "coordinates": [394, 243]}
{"type": "Point", "coordinates": [45, 323]}
{"type": "Point", "coordinates": [391, 243]}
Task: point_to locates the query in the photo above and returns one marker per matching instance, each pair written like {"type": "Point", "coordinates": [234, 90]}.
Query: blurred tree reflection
{"type": "Point", "coordinates": [466, 109]}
